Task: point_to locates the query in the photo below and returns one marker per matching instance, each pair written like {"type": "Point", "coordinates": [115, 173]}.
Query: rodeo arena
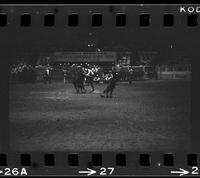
{"type": "Point", "coordinates": [92, 68]}
{"type": "Point", "coordinates": [61, 97]}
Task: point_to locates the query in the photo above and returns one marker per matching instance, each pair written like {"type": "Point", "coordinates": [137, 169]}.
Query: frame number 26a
{"type": "Point", "coordinates": [14, 172]}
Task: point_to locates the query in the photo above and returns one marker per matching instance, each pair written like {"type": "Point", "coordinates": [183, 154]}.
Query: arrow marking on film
{"type": "Point", "coordinates": [88, 172]}
{"type": "Point", "coordinates": [181, 172]}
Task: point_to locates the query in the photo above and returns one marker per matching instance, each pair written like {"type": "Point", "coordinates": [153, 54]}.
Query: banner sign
{"type": "Point", "coordinates": [84, 57]}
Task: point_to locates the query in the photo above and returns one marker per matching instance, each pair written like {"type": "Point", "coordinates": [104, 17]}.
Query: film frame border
{"type": "Point", "coordinates": [16, 158]}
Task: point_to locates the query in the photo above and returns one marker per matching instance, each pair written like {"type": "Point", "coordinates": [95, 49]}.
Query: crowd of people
{"type": "Point", "coordinates": [81, 75]}
{"type": "Point", "coordinates": [23, 73]}
{"type": "Point", "coordinates": [26, 73]}
{"type": "Point", "coordinates": [87, 70]}
{"type": "Point", "coordinates": [98, 73]}
{"type": "Point", "coordinates": [77, 74]}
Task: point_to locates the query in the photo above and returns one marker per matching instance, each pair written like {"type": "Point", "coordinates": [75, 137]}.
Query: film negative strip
{"type": "Point", "coordinates": [99, 90]}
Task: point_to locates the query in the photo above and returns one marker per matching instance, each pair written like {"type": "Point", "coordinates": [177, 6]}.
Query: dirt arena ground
{"type": "Point", "coordinates": [146, 115]}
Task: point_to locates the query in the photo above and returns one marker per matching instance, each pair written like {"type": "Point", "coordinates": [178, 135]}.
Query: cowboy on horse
{"type": "Point", "coordinates": [78, 79]}
{"type": "Point", "coordinates": [89, 74]}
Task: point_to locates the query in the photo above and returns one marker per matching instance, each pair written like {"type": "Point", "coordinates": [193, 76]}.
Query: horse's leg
{"type": "Point", "coordinates": [91, 84]}
{"type": "Point", "coordinates": [78, 86]}
{"type": "Point", "coordinates": [88, 81]}
{"type": "Point", "coordinates": [77, 89]}
{"type": "Point", "coordinates": [107, 91]}
{"type": "Point", "coordinates": [75, 86]}
{"type": "Point", "coordinates": [107, 94]}
{"type": "Point", "coordinates": [111, 92]}
{"type": "Point", "coordinates": [82, 87]}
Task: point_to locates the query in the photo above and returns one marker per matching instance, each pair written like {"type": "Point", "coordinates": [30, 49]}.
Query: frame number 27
{"type": "Point", "coordinates": [106, 171]}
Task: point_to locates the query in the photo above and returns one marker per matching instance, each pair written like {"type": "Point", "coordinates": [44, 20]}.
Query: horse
{"type": "Point", "coordinates": [111, 85]}
{"type": "Point", "coordinates": [78, 81]}
{"type": "Point", "coordinates": [89, 81]}
{"type": "Point", "coordinates": [89, 76]}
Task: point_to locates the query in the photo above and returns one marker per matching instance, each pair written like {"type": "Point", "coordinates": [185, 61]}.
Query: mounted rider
{"type": "Point", "coordinates": [112, 80]}
{"type": "Point", "coordinates": [89, 77]}
{"type": "Point", "coordinates": [47, 76]}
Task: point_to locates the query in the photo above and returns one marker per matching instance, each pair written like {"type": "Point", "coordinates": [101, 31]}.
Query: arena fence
{"type": "Point", "coordinates": [174, 72]}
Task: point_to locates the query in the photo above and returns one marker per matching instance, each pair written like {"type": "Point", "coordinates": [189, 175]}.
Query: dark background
{"type": "Point", "coordinates": [16, 40]}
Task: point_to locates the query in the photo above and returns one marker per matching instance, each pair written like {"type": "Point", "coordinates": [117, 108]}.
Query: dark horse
{"type": "Point", "coordinates": [89, 81]}
{"type": "Point", "coordinates": [111, 85]}
{"type": "Point", "coordinates": [78, 81]}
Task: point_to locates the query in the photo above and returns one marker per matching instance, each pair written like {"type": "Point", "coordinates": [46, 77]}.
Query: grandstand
{"type": "Point", "coordinates": [101, 58]}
